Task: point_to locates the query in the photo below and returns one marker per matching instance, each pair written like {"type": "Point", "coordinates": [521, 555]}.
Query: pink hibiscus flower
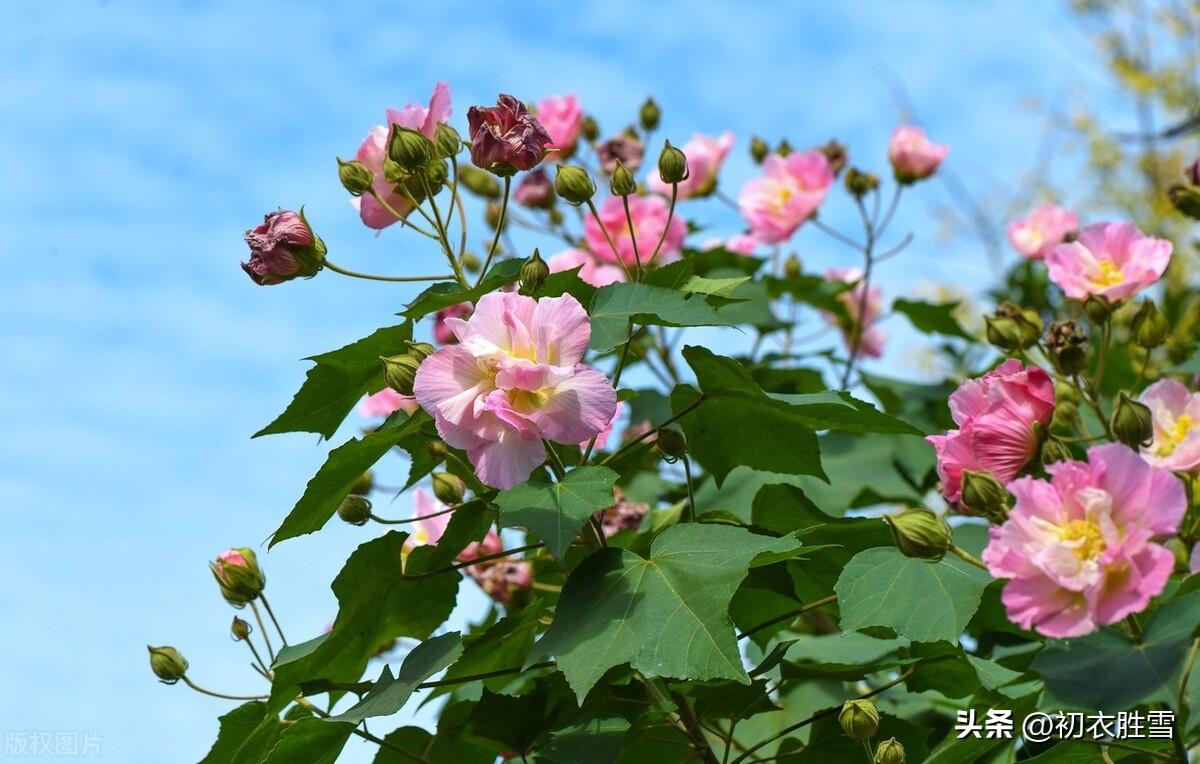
{"type": "Point", "coordinates": [649, 215]}
{"type": "Point", "coordinates": [873, 338]}
{"type": "Point", "coordinates": [1045, 228]}
{"type": "Point", "coordinates": [563, 119]}
{"type": "Point", "coordinates": [913, 156]}
{"type": "Point", "coordinates": [429, 529]}
{"type": "Point", "coordinates": [385, 403]}
{"type": "Point", "coordinates": [1176, 416]}
{"type": "Point", "coordinates": [594, 271]}
{"type": "Point", "coordinates": [788, 193]}
{"type": "Point", "coordinates": [1113, 260]}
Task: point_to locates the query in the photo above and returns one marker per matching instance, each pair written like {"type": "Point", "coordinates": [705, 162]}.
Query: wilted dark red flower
{"type": "Point", "coordinates": [624, 149]}
{"type": "Point", "coordinates": [282, 248]}
{"type": "Point", "coordinates": [506, 138]}
{"type": "Point", "coordinates": [535, 190]}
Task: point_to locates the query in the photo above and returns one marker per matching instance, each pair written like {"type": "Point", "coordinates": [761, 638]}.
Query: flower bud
{"type": "Point", "coordinates": [649, 115]}
{"type": "Point", "coordinates": [890, 752]}
{"type": "Point", "coordinates": [859, 719]}
{"type": "Point", "coordinates": [409, 148]}
{"type": "Point", "coordinates": [534, 273]}
{"type": "Point", "coordinates": [355, 509]}
{"type": "Point", "coordinates": [283, 248]}
{"type": "Point", "coordinates": [791, 267]}
{"type": "Point", "coordinates": [1192, 172]}
{"type": "Point", "coordinates": [494, 216]}
{"type": "Point", "coordinates": [1064, 416]}
{"type": "Point", "coordinates": [1150, 327]}
{"type": "Point", "coordinates": [421, 350]}
{"type": "Point", "coordinates": [1054, 450]}
{"type": "Point", "coordinates": [1186, 199]}
{"type": "Point", "coordinates": [238, 575]}
{"type": "Point", "coordinates": [479, 182]}
{"type": "Point", "coordinates": [1014, 328]}
{"type": "Point", "coordinates": [364, 484]}
{"type": "Point", "coordinates": [672, 164]}
{"type": "Point", "coordinates": [1131, 423]}
{"type": "Point", "coordinates": [835, 155]}
{"type": "Point", "coordinates": [1002, 333]}
{"type": "Point", "coordinates": [449, 489]}
{"type": "Point", "coordinates": [622, 182]}
{"type": "Point", "coordinates": [1098, 309]}
{"type": "Point", "coordinates": [436, 173]}
{"type": "Point", "coordinates": [240, 629]}
{"type": "Point", "coordinates": [984, 495]}
{"type": "Point", "coordinates": [784, 148]}
{"type": "Point", "coordinates": [436, 449]}
{"type": "Point", "coordinates": [167, 664]}
{"type": "Point", "coordinates": [355, 177]}
{"type": "Point", "coordinates": [471, 262]}
{"type": "Point", "coordinates": [447, 142]}
{"type": "Point", "coordinates": [393, 172]}
{"type": "Point", "coordinates": [920, 534]}
{"type": "Point", "coordinates": [1067, 347]}
{"type": "Point", "coordinates": [574, 184]}
{"type": "Point", "coordinates": [400, 371]}
{"type": "Point", "coordinates": [589, 129]}
{"type": "Point", "coordinates": [859, 183]}
{"type": "Point", "coordinates": [670, 444]}
{"type": "Point", "coordinates": [758, 149]}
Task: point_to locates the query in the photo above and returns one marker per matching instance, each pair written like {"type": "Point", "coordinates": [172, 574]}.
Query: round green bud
{"type": "Point", "coordinates": [1186, 199]}
{"type": "Point", "coordinates": [355, 177]}
{"type": "Point", "coordinates": [471, 262]}
{"type": "Point", "coordinates": [622, 183]}
{"type": "Point", "coordinates": [167, 664]}
{"type": "Point", "coordinates": [859, 719]}
{"type": "Point", "coordinates": [672, 164]}
{"type": "Point", "coordinates": [421, 350]}
{"type": "Point", "coordinates": [1002, 333]}
{"type": "Point", "coordinates": [393, 172]}
{"type": "Point", "coordinates": [1150, 327]}
{"type": "Point", "coordinates": [238, 575]}
{"type": "Point", "coordinates": [1131, 422]}
{"type": "Point", "coordinates": [759, 149]}
{"type": "Point", "coordinates": [589, 129]}
{"type": "Point", "coordinates": [409, 148]}
{"type": "Point", "coordinates": [239, 629]}
{"type": "Point", "coordinates": [400, 371]}
{"type": "Point", "coordinates": [437, 173]}
{"type": "Point", "coordinates": [784, 148]}
{"type": "Point", "coordinates": [1098, 309]}
{"type": "Point", "coordinates": [355, 509]}
{"type": "Point", "coordinates": [1054, 450]}
{"type": "Point", "coordinates": [984, 495]}
{"type": "Point", "coordinates": [890, 752]}
{"type": "Point", "coordinates": [479, 182]}
{"type": "Point", "coordinates": [449, 489]}
{"type": "Point", "coordinates": [495, 217]}
{"type": "Point", "coordinates": [364, 484]}
{"type": "Point", "coordinates": [534, 273]}
{"type": "Point", "coordinates": [860, 183]}
{"type": "Point", "coordinates": [920, 534]}
{"type": "Point", "coordinates": [436, 449]}
{"type": "Point", "coordinates": [792, 268]}
{"type": "Point", "coordinates": [574, 185]}
{"type": "Point", "coordinates": [670, 444]}
{"type": "Point", "coordinates": [1065, 412]}
{"type": "Point", "coordinates": [649, 115]}
{"type": "Point", "coordinates": [447, 141]}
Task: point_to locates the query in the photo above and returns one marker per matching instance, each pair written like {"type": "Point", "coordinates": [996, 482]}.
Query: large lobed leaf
{"type": "Point", "coordinates": [615, 305]}
{"type": "Point", "coordinates": [390, 693]}
{"type": "Point", "coordinates": [556, 511]}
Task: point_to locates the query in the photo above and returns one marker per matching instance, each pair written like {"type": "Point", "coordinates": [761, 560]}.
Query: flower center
{"type": "Point", "coordinates": [1085, 536]}
{"type": "Point", "coordinates": [1110, 274]}
{"type": "Point", "coordinates": [1174, 435]}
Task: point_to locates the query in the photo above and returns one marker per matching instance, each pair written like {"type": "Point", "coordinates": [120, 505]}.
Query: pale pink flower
{"type": "Point", "coordinates": [441, 332]}
{"type": "Point", "coordinates": [636, 429]}
{"type": "Point", "coordinates": [995, 415]}
{"type": "Point", "coordinates": [873, 338]}
{"type": "Point", "coordinates": [373, 151]}
{"type": "Point", "coordinates": [1176, 416]}
{"type": "Point", "coordinates": [649, 215]}
{"type": "Point", "coordinates": [602, 438]}
{"type": "Point", "coordinates": [563, 119]}
{"type": "Point", "coordinates": [429, 530]}
{"type": "Point", "coordinates": [788, 193]}
{"type": "Point", "coordinates": [385, 403]}
{"type": "Point", "coordinates": [1077, 549]}
{"type": "Point", "coordinates": [622, 515]}
{"type": "Point", "coordinates": [913, 156]}
{"type": "Point", "coordinates": [514, 379]}
{"type": "Point", "coordinates": [705, 155]}
{"type": "Point", "coordinates": [1042, 230]}
{"type": "Point", "coordinates": [503, 578]}
{"type": "Point", "coordinates": [1113, 260]}
{"type": "Point", "coordinates": [592, 270]}
{"type": "Point", "coordinates": [742, 243]}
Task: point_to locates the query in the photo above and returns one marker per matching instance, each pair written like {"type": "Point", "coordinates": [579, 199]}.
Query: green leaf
{"type": "Point", "coordinates": [932, 318]}
{"type": "Point", "coordinates": [376, 604]}
{"type": "Point", "coordinates": [616, 304]}
{"type": "Point", "coordinates": [705, 261]}
{"type": "Point", "coordinates": [341, 470]}
{"type": "Point", "coordinates": [595, 741]}
{"type": "Point", "coordinates": [503, 645]}
{"type": "Point", "coordinates": [991, 674]}
{"type": "Point", "coordinates": [434, 749]}
{"type": "Point", "coordinates": [390, 693]}
{"type": "Point", "coordinates": [1107, 671]}
{"type": "Point", "coordinates": [841, 411]}
{"type": "Point", "coordinates": [338, 380]}
{"type": "Point", "coordinates": [515, 722]}
{"type": "Point", "coordinates": [468, 523]}
{"type": "Point", "coordinates": [817, 291]}
{"type": "Point", "coordinates": [923, 601]}
{"type": "Point", "coordinates": [556, 511]}
{"type": "Point", "coordinates": [247, 733]}
{"type": "Point", "coordinates": [719, 287]}
{"type": "Point", "coordinates": [666, 615]}
{"type": "Point", "coordinates": [310, 741]}
{"type": "Point", "coordinates": [843, 656]}
{"type": "Point", "coordinates": [447, 293]}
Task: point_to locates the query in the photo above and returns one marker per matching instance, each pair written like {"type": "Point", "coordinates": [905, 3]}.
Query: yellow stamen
{"type": "Point", "coordinates": [1174, 435]}
{"type": "Point", "coordinates": [1110, 274]}
{"type": "Point", "coordinates": [1091, 541]}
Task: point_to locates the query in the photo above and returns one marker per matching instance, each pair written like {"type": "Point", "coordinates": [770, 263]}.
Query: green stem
{"type": "Point", "coordinates": [637, 258]}
{"type": "Point", "coordinates": [402, 218]}
{"type": "Point", "coordinates": [372, 277]}
{"type": "Point", "coordinates": [682, 412]}
{"type": "Point", "coordinates": [442, 232]}
{"type": "Point", "coordinates": [859, 327]}
{"type": "Point", "coordinates": [475, 561]}
{"type": "Point", "coordinates": [687, 471]}
{"type": "Point", "coordinates": [418, 518]}
{"type": "Point", "coordinates": [966, 556]}
{"type": "Point", "coordinates": [670, 216]}
{"type": "Point", "coordinates": [499, 227]}
{"type": "Point", "coordinates": [274, 620]}
{"type": "Point", "coordinates": [555, 463]}
{"type": "Point", "coordinates": [604, 230]}
{"type": "Point", "coordinates": [263, 630]}
{"type": "Point", "coordinates": [221, 695]}
{"type": "Point", "coordinates": [789, 615]}
{"type": "Point", "coordinates": [364, 734]}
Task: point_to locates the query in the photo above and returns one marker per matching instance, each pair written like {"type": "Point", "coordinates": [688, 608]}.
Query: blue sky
{"type": "Point", "coordinates": [141, 139]}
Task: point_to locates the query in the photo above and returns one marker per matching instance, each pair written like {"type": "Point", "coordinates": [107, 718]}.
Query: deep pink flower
{"type": "Point", "coordinates": [563, 119]}
{"type": "Point", "coordinates": [592, 270]}
{"type": "Point", "coordinates": [514, 379]}
{"type": "Point", "coordinates": [503, 578]}
{"type": "Point", "coordinates": [435, 519]}
{"type": "Point", "coordinates": [441, 332]}
{"type": "Point", "coordinates": [788, 193]}
{"type": "Point", "coordinates": [650, 216]}
{"type": "Point", "coordinates": [622, 515]}
{"type": "Point", "coordinates": [1077, 549]}
{"type": "Point", "coordinates": [1046, 227]}
{"type": "Point", "coordinates": [995, 415]}
{"type": "Point", "coordinates": [506, 138]}
{"type": "Point", "coordinates": [1113, 260]}
{"type": "Point", "coordinates": [873, 338]}
{"type": "Point", "coordinates": [622, 148]}
{"type": "Point", "coordinates": [283, 247]}
{"type": "Point", "coordinates": [373, 151]}
{"type": "Point", "coordinates": [535, 190]}
{"type": "Point", "coordinates": [1176, 416]}
{"type": "Point", "coordinates": [913, 156]}
{"type": "Point", "coordinates": [705, 155]}
{"type": "Point", "coordinates": [385, 403]}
